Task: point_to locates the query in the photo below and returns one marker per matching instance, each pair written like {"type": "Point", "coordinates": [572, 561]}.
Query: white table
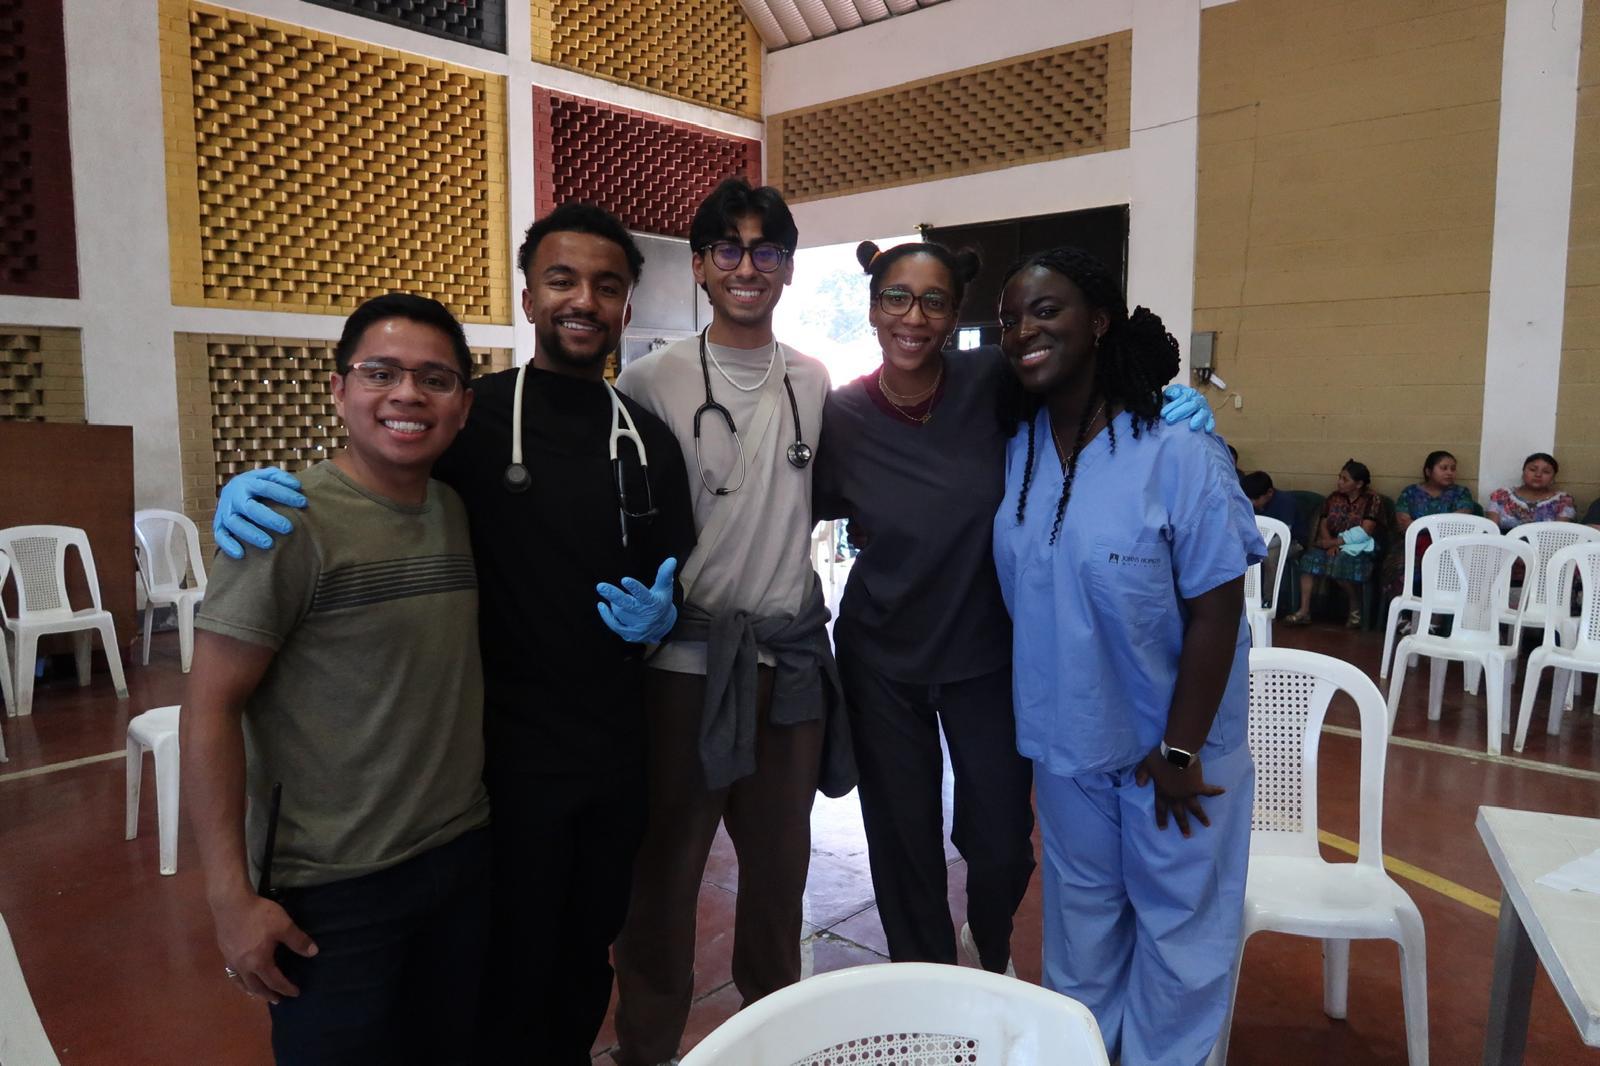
{"type": "Point", "coordinates": [1560, 929]}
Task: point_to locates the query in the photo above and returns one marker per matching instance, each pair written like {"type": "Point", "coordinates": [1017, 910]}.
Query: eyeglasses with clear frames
{"type": "Point", "coordinates": [380, 375]}
{"type": "Point", "coordinates": [764, 256]}
{"type": "Point", "coordinates": [936, 304]}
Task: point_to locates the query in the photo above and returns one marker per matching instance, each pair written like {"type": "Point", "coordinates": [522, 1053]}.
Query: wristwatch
{"type": "Point", "coordinates": [1176, 756]}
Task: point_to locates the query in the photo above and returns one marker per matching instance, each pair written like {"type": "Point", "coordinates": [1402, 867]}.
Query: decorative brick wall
{"type": "Point", "coordinates": [41, 374]}
{"type": "Point", "coordinates": [38, 247]}
{"type": "Point", "coordinates": [308, 172]}
{"type": "Point", "coordinates": [246, 402]}
{"type": "Point", "coordinates": [704, 51]}
{"type": "Point", "coordinates": [479, 22]}
{"type": "Point", "coordinates": [650, 172]}
{"type": "Point", "coordinates": [1062, 102]}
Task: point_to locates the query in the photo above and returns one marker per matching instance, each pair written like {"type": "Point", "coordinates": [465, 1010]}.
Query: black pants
{"type": "Point", "coordinates": [399, 958]}
{"type": "Point", "coordinates": [563, 864]}
{"type": "Point", "coordinates": [896, 730]}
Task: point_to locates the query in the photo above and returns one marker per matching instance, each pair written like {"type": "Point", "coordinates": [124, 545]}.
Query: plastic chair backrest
{"type": "Point", "coordinates": [23, 1041]}
{"type": "Point", "coordinates": [1577, 561]}
{"type": "Point", "coordinates": [1479, 596]}
{"type": "Point", "coordinates": [1289, 695]}
{"type": "Point", "coordinates": [921, 1011]}
{"type": "Point", "coordinates": [1438, 527]}
{"type": "Point", "coordinates": [1268, 528]}
{"type": "Point", "coordinates": [39, 560]}
{"type": "Point", "coordinates": [167, 545]}
{"type": "Point", "coordinates": [1547, 539]}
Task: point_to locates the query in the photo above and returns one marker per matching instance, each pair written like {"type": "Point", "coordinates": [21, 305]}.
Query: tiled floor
{"type": "Point", "coordinates": [124, 971]}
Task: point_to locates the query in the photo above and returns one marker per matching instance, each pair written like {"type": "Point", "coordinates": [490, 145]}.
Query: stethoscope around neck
{"type": "Point", "coordinates": [516, 478]}
{"type": "Point", "coordinates": [799, 453]}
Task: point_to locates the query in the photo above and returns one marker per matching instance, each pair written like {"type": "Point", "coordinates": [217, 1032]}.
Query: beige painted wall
{"type": "Point", "coordinates": [1578, 410]}
{"type": "Point", "coordinates": [1345, 217]}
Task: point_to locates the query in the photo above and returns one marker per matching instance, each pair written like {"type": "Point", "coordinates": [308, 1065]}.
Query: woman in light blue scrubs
{"type": "Point", "coordinates": [1121, 546]}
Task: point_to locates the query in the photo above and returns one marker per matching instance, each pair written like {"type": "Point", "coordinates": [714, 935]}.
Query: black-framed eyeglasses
{"type": "Point", "coordinates": [381, 375]}
{"type": "Point", "coordinates": [935, 303]}
{"type": "Point", "coordinates": [764, 256]}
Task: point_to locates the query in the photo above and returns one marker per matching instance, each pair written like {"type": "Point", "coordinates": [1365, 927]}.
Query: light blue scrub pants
{"type": "Point", "coordinates": [1140, 924]}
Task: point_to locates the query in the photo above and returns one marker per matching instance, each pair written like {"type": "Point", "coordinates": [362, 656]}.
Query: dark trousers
{"type": "Point", "coordinates": [896, 730]}
{"type": "Point", "coordinates": [564, 853]}
{"type": "Point", "coordinates": [768, 815]}
{"type": "Point", "coordinates": [399, 958]}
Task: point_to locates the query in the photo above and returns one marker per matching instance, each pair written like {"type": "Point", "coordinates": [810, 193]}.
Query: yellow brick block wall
{"type": "Point", "coordinates": [307, 172]}
{"type": "Point", "coordinates": [1060, 102]}
{"type": "Point", "coordinates": [1345, 215]}
{"type": "Point", "coordinates": [1577, 434]}
{"type": "Point", "coordinates": [41, 374]}
{"type": "Point", "coordinates": [246, 402]}
{"type": "Point", "coordinates": [703, 51]}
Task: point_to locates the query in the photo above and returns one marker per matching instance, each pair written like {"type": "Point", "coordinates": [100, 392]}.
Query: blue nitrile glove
{"type": "Point", "coordinates": [1184, 402]}
{"type": "Point", "coordinates": [637, 614]}
{"type": "Point", "coordinates": [240, 515]}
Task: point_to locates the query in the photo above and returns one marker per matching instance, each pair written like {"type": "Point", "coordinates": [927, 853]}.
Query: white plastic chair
{"type": "Point", "coordinates": [1438, 527]}
{"type": "Point", "coordinates": [6, 695]}
{"type": "Point", "coordinates": [39, 567]}
{"type": "Point", "coordinates": [1547, 538]}
{"type": "Point", "coordinates": [22, 1037]}
{"type": "Point", "coordinates": [921, 1011]}
{"type": "Point", "coordinates": [1259, 616]}
{"type": "Point", "coordinates": [1480, 606]}
{"type": "Point", "coordinates": [157, 732]}
{"type": "Point", "coordinates": [167, 545]}
{"type": "Point", "coordinates": [1571, 645]}
{"type": "Point", "coordinates": [1290, 888]}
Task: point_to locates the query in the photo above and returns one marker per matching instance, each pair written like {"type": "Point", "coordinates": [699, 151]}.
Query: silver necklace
{"type": "Point", "coordinates": [772, 362]}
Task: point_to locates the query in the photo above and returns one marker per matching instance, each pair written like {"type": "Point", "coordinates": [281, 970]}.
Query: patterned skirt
{"type": "Point", "coordinates": [1340, 567]}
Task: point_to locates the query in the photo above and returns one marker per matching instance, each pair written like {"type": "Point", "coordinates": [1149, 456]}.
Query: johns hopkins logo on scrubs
{"type": "Point", "coordinates": [1129, 559]}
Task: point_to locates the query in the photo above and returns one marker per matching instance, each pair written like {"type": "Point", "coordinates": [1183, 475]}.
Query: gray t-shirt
{"type": "Point", "coordinates": [922, 603]}
{"type": "Point", "coordinates": [371, 713]}
{"type": "Point", "coordinates": [762, 561]}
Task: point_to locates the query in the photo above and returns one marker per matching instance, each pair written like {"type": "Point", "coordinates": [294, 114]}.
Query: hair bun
{"type": "Point", "coordinates": [866, 252]}
{"type": "Point", "coordinates": [967, 264]}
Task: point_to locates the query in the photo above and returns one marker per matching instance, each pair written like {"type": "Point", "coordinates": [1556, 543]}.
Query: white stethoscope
{"type": "Point", "coordinates": [517, 478]}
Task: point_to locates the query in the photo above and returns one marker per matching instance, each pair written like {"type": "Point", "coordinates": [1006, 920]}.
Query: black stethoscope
{"type": "Point", "coordinates": [516, 479]}
{"type": "Point", "coordinates": [799, 453]}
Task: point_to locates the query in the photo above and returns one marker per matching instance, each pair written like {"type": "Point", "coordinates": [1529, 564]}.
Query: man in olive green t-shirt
{"type": "Point", "coordinates": [344, 667]}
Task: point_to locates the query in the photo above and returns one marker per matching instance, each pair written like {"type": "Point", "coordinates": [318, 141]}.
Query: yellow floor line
{"type": "Point", "coordinates": [1474, 755]}
{"type": "Point", "coordinates": [40, 771]}
{"type": "Point", "coordinates": [1400, 868]}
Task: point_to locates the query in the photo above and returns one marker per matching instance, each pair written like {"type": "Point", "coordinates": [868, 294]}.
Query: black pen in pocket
{"type": "Point", "coordinates": [264, 883]}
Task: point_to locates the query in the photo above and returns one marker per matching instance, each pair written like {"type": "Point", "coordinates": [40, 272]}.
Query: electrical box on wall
{"type": "Point", "coordinates": [1202, 348]}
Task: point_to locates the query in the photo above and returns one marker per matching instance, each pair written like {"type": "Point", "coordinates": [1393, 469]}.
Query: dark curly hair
{"type": "Point", "coordinates": [1133, 359]}
{"type": "Point", "coordinates": [962, 265]}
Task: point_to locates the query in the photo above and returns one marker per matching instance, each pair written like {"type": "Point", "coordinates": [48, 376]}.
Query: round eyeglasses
{"type": "Point", "coordinates": [381, 376]}
{"type": "Point", "coordinates": [897, 302]}
{"type": "Point", "coordinates": [765, 256]}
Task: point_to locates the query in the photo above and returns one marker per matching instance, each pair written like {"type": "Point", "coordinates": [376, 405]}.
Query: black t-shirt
{"type": "Point", "coordinates": [561, 690]}
{"type": "Point", "coordinates": [922, 603]}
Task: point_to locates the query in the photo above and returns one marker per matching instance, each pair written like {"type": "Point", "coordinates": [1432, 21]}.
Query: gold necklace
{"type": "Point", "coordinates": [1055, 434]}
{"type": "Point", "coordinates": [909, 401]}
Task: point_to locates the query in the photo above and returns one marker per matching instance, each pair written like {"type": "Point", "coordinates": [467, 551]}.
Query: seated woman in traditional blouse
{"type": "Point", "coordinates": [1345, 526]}
{"type": "Point", "coordinates": [1535, 500]}
{"type": "Point", "coordinates": [1436, 493]}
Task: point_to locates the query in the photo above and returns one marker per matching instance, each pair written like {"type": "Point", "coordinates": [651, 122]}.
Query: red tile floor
{"type": "Point", "coordinates": [124, 971]}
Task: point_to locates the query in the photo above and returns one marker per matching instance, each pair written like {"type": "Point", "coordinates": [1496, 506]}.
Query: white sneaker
{"type": "Point", "coordinates": [969, 951]}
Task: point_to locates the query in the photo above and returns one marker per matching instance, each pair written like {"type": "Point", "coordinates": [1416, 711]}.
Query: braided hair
{"type": "Point", "coordinates": [1133, 359]}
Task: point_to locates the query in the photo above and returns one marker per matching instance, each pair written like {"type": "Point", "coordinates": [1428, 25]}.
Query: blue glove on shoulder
{"type": "Point", "coordinates": [1184, 402]}
{"type": "Point", "coordinates": [240, 517]}
{"type": "Point", "coordinates": [637, 614]}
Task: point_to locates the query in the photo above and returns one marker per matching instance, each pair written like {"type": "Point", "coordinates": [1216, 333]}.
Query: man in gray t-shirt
{"type": "Point", "coordinates": [337, 685]}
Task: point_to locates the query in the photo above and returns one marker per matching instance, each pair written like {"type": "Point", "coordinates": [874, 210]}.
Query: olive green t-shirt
{"type": "Point", "coordinates": [371, 713]}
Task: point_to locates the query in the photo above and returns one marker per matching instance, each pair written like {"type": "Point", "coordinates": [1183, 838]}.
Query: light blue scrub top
{"type": "Point", "coordinates": [1098, 616]}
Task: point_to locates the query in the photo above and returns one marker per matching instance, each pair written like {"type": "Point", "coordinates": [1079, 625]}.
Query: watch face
{"type": "Point", "coordinates": [1180, 759]}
